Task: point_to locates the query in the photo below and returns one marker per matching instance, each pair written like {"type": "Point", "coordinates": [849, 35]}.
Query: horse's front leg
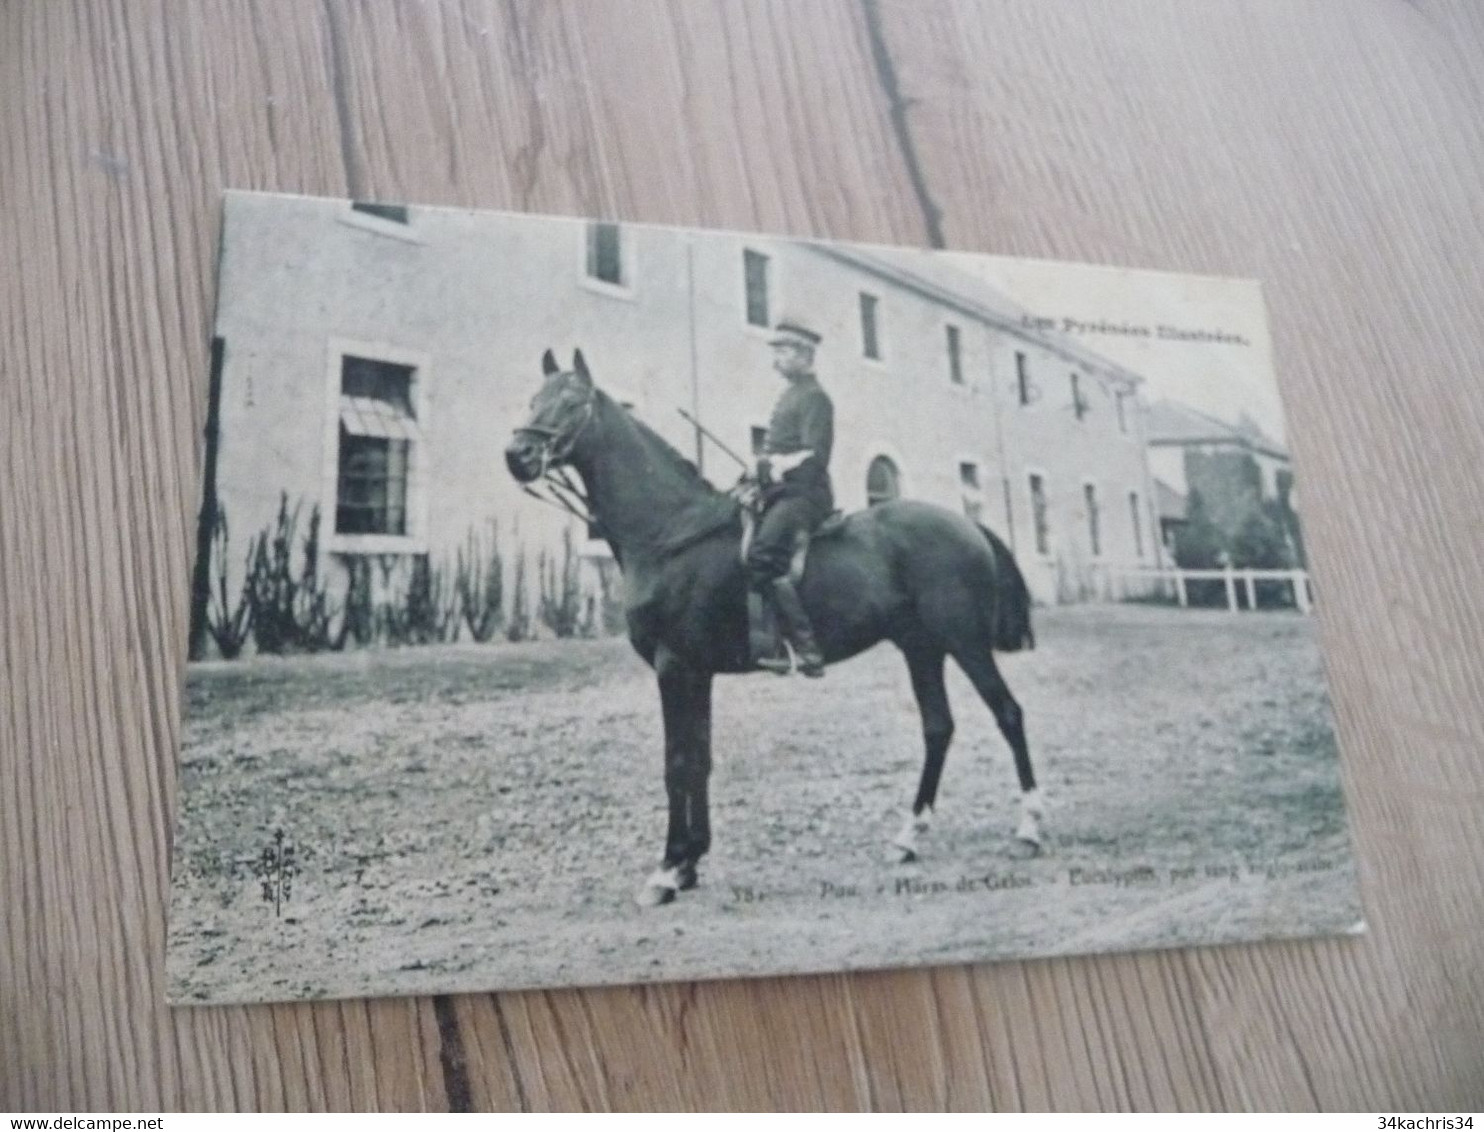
{"type": "Point", "coordinates": [685, 698]}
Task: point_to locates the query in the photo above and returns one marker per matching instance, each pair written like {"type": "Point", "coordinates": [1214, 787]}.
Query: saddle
{"type": "Point", "coordinates": [832, 525]}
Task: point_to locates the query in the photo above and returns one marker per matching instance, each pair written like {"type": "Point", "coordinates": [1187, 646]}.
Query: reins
{"type": "Point", "coordinates": [565, 495]}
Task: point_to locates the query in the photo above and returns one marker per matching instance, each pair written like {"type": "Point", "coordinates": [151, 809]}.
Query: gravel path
{"type": "Point", "coordinates": [478, 817]}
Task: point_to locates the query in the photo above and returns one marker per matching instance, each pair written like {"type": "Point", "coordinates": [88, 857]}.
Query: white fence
{"type": "Point", "coordinates": [1121, 582]}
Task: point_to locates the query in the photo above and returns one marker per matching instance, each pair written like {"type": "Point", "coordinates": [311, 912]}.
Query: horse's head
{"type": "Point", "coordinates": [561, 411]}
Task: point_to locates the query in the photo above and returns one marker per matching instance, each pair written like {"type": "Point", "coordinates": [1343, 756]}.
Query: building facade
{"type": "Point", "coordinates": [373, 362]}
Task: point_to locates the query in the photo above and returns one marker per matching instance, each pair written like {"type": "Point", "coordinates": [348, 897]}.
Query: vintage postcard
{"type": "Point", "coordinates": [580, 602]}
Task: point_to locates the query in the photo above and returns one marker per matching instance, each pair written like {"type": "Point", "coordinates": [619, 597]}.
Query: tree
{"type": "Point", "coordinates": [1199, 543]}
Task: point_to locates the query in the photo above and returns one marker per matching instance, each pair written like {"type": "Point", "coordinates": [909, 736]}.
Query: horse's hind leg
{"type": "Point", "coordinates": [980, 667]}
{"type": "Point", "coordinates": [926, 668]}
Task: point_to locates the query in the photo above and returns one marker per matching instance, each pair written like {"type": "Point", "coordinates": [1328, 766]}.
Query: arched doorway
{"type": "Point", "coordinates": [883, 481]}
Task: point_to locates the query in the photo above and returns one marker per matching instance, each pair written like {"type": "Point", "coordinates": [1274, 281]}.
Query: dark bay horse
{"type": "Point", "coordinates": [928, 580]}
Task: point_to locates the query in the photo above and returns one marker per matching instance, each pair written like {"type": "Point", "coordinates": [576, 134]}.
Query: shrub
{"type": "Point", "coordinates": [610, 587]}
{"type": "Point", "coordinates": [430, 604]}
{"type": "Point", "coordinates": [312, 611]}
{"type": "Point", "coordinates": [424, 608]}
{"type": "Point", "coordinates": [360, 612]}
{"type": "Point", "coordinates": [1199, 542]}
{"type": "Point", "coordinates": [1260, 543]}
{"type": "Point", "coordinates": [289, 613]}
{"type": "Point", "coordinates": [561, 596]}
{"type": "Point", "coordinates": [518, 624]}
{"type": "Point", "coordinates": [480, 581]}
{"type": "Point", "coordinates": [228, 625]}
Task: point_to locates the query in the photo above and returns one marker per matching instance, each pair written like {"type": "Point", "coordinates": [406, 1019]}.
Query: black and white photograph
{"type": "Point", "coordinates": [578, 602]}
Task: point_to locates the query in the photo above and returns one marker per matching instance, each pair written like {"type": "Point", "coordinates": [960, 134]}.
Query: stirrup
{"type": "Point", "coordinates": [778, 665]}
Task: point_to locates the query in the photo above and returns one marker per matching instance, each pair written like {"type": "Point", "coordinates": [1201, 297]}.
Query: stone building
{"type": "Point", "coordinates": [372, 361]}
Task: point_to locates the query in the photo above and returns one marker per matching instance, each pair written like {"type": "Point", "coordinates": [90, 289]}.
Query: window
{"type": "Point", "coordinates": [1090, 502]}
{"type": "Point", "coordinates": [372, 499]}
{"type": "Point", "coordinates": [1022, 378]}
{"type": "Point", "coordinates": [1133, 510]}
{"type": "Point", "coordinates": [1079, 403]}
{"type": "Point", "coordinates": [759, 439]}
{"type": "Point", "coordinates": [883, 481]}
{"type": "Point", "coordinates": [1038, 514]}
{"type": "Point", "coordinates": [1122, 418]}
{"type": "Point", "coordinates": [379, 381]}
{"type": "Point", "coordinates": [972, 490]}
{"type": "Point", "coordinates": [397, 213]}
{"type": "Point", "coordinates": [755, 279]}
{"type": "Point", "coordinates": [377, 430]}
{"type": "Point", "coordinates": [605, 254]}
{"type": "Point", "coordinates": [870, 340]}
{"type": "Point", "coordinates": [955, 358]}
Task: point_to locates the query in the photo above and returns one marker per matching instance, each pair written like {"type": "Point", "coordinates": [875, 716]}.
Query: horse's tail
{"type": "Point", "coordinates": [1012, 599]}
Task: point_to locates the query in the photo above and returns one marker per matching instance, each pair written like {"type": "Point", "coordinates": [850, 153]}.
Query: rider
{"type": "Point", "coordinates": [793, 474]}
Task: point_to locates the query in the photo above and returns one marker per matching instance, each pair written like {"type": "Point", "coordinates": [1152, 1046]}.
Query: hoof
{"type": "Point", "coordinates": [1023, 849]}
{"type": "Point", "coordinates": [660, 887]}
{"type": "Point", "coordinates": [654, 895]}
{"type": "Point", "coordinates": [903, 847]}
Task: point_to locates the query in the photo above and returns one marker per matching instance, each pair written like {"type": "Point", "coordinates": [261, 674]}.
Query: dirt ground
{"type": "Point", "coordinates": [476, 817]}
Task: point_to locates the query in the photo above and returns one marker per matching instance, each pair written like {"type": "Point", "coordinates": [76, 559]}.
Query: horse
{"type": "Point", "coordinates": [929, 580]}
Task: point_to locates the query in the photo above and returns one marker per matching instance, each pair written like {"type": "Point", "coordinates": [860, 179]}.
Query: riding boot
{"type": "Point", "coordinates": [768, 650]}
{"type": "Point", "coordinates": [796, 627]}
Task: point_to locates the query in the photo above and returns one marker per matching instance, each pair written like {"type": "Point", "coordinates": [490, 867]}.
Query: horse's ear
{"type": "Point", "coordinates": [549, 364]}
{"type": "Point", "coordinates": [579, 367]}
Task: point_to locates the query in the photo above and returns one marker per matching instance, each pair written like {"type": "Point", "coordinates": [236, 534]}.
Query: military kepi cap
{"type": "Point", "coordinates": [792, 332]}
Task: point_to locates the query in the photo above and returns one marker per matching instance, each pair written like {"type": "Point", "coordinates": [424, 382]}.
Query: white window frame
{"type": "Point", "coordinates": [873, 452]}
{"type": "Point", "coordinates": [963, 489]}
{"type": "Point", "coordinates": [775, 291]}
{"type": "Point", "coordinates": [962, 382]}
{"type": "Point", "coordinates": [1049, 554]}
{"type": "Point", "coordinates": [1135, 500]}
{"type": "Point", "coordinates": [1033, 392]}
{"type": "Point", "coordinates": [882, 349]}
{"type": "Point", "coordinates": [1100, 550]}
{"type": "Point", "coordinates": [628, 263]}
{"type": "Point", "coordinates": [415, 541]}
{"type": "Point", "coordinates": [1077, 386]}
{"type": "Point", "coordinates": [407, 233]}
{"type": "Point", "coordinates": [752, 425]}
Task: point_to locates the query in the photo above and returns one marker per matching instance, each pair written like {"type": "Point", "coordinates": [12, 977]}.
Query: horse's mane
{"type": "Point", "coordinates": [711, 510]}
{"type": "Point", "coordinates": [687, 468]}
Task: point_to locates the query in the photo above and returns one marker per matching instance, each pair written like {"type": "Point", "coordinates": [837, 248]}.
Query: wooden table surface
{"type": "Point", "coordinates": [1332, 148]}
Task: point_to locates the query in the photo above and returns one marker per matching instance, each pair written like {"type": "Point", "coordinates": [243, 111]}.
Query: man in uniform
{"type": "Point", "coordinates": [793, 473]}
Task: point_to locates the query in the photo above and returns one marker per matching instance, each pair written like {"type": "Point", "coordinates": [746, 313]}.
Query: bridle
{"type": "Point", "coordinates": [566, 494]}
{"type": "Point", "coordinates": [551, 453]}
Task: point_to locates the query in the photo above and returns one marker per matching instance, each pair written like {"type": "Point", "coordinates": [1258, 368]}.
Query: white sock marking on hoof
{"type": "Point", "coordinates": [904, 844]}
{"type": "Point", "coordinates": [1032, 809]}
{"type": "Point", "coordinates": [659, 888]}
{"type": "Point", "coordinates": [1022, 850]}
